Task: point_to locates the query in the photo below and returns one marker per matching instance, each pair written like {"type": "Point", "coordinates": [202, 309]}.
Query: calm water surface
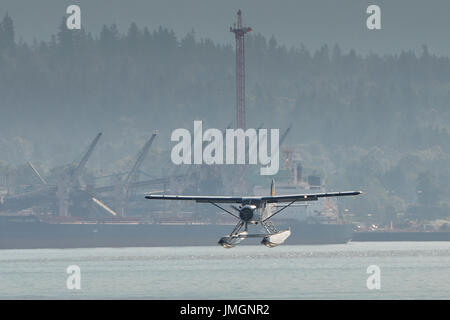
{"type": "Point", "coordinates": [409, 270]}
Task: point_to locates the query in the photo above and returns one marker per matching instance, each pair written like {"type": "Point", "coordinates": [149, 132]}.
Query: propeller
{"type": "Point", "coordinates": [239, 210]}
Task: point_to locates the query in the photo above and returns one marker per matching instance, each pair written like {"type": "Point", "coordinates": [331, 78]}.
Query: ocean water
{"type": "Point", "coordinates": [407, 270]}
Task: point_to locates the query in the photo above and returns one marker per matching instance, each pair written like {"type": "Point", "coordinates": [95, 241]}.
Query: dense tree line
{"type": "Point", "coordinates": [375, 122]}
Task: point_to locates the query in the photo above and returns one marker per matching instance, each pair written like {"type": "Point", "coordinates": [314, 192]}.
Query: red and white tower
{"type": "Point", "coordinates": [239, 32]}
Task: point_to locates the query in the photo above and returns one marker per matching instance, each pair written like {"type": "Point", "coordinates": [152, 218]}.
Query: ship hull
{"type": "Point", "coordinates": [364, 236]}
{"type": "Point", "coordinates": [22, 235]}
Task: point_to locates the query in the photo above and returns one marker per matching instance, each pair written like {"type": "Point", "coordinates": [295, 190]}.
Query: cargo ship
{"type": "Point", "coordinates": [400, 235]}
{"type": "Point", "coordinates": [314, 223]}
{"type": "Point", "coordinates": [30, 232]}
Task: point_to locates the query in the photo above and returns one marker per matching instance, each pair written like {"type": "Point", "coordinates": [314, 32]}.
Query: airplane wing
{"type": "Point", "coordinates": [214, 199]}
{"type": "Point", "coordinates": [307, 197]}
{"type": "Point", "coordinates": [276, 205]}
{"type": "Point", "coordinates": [255, 200]}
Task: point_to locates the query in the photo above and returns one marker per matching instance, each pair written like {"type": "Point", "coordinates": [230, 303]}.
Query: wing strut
{"type": "Point", "coordinates": [224, 209]}
{"type": "Point", "coordinates": [288, 205]}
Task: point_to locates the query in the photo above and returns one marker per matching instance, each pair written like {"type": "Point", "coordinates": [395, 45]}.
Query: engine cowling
{"type": "Point", "coordinates": [247, 213]}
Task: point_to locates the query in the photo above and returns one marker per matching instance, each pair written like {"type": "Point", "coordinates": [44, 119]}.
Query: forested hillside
{"type": "Point", "coordinates": [379, 123]}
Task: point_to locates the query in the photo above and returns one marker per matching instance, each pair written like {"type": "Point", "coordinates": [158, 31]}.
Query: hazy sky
{"type": "Point", "coordinates": [406, 24]}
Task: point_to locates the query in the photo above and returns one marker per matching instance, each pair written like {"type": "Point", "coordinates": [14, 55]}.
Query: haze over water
{"type": "Point", "coordinates": [409, 270]}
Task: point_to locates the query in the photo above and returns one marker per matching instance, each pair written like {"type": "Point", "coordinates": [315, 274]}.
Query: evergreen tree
{"type": "Point", "coordinates": [7, 42]}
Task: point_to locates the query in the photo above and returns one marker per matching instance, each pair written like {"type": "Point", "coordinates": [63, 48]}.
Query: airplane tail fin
{"type": "Point", "coordinates": [272, 188]}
